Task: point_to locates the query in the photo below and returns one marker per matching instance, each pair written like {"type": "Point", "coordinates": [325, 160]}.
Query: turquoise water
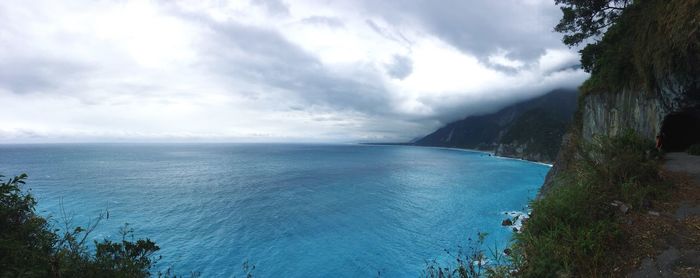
{"type": "Point", "coordinates": [292, 210]}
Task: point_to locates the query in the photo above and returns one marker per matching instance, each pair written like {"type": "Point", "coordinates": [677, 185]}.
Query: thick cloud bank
{"type": "Point", "coordinates": [282, 70]}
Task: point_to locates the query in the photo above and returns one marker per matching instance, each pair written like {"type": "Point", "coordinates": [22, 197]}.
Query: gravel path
{"type": "Point", "coordinates": [682, 257]}
{"type": "Point", "coordinates": [683, 162]}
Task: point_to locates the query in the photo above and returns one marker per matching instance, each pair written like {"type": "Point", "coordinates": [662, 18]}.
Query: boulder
{"type": "Point", "coordinates": [624, 208]}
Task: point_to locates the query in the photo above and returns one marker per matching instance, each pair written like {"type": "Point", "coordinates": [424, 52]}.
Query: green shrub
{"type": "Point", "coordinates": [625, 167]}
{"type": "Point", "coordinates": [568, 233]}
{"type": "Point", "coordinates": [650, 42]}
{"type": "Point", "coordinates": [573, 230]}
{"type": "Point", "coordinates": [470, 262]}
{"type": "Point", "coordinates": [25, 240]}
{"type": "Point", "coordinates": [30, 247]}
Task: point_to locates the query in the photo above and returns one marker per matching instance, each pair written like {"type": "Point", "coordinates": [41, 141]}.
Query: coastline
{"type": "Point", "coordinates": [490, 153]}
{"type": "Point", "coordinates": [536, 162]}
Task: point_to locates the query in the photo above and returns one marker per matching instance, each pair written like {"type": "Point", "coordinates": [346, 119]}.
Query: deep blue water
{"type": "Point", "coordinates": [293, 210]}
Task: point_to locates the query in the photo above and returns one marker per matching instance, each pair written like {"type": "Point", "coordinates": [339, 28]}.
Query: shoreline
{"type": "Point", "coordinates": [536, 162]}
{"type": "Point", "coordinates": [490, 153]}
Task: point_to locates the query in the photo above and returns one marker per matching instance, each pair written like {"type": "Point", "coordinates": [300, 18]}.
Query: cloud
{"type": "Point", "coordinates": [305, 70]}
{"type": "Point", "coordinates": [265, 61]}
{"type": "Point", "coordinates": [274, 7]}
{"type": "Point", "coordinates": [400, 67]}
{"type": "Point", "coordinates": [27, 74]}
{"type": "Point", "coordinates": [524, 28]}
{"type": "Point", "coordinates": [324, 21]}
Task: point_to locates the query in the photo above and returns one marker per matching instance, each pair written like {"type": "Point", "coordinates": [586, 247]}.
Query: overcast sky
{"type": "Point", "coordinates": [278, 70]}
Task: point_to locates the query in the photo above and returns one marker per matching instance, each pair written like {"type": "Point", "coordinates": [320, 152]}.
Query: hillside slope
{"type": "Point", "coordinates": [611, 192]}
{"type": "Point", "coordinates": [529, 130]}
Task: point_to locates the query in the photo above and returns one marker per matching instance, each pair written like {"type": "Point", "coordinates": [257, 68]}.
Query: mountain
{"type": "Point", "coordinates": [529, 130]}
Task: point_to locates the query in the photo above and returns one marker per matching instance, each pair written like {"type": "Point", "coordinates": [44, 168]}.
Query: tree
{"type": "Point", "coordinates": [30, 247]}
{"type": "Point", "coordinates": [583, 19]}
{"type": "Point", "coordinates": [25, 240]}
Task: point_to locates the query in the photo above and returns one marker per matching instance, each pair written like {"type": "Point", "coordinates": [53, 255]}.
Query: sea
{"type": "Point", "coordinates": [289, 210]}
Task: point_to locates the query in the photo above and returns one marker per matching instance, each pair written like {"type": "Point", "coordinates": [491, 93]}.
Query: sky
{"type": "Point", "coordinates": [269, 71]}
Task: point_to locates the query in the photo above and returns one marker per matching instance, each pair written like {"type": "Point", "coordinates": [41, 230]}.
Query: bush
{"type": "Point", "coordinates": [650, 43]}
{"type": "Point", "coordinates": [25, 240]}
{"type": "Point", "coordinates": [472, 262]}
{"type": "Point", "coordinates": [573, 230]}
{"type": "Point", "coordinates": [29, 247]}
{"type": "Point", "coordinates": [625, 167]}
{"type": "Point", "coordinates": [568, 233]}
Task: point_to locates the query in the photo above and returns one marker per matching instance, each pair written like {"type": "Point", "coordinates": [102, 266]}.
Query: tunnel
{"type": "Point", "coordinates": [680, 130]}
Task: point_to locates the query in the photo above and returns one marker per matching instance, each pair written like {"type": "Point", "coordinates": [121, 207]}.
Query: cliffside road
{"type": "Point", "coordinates": [684, 163]}
{"type": "Point", "coordinates": [679, 254]}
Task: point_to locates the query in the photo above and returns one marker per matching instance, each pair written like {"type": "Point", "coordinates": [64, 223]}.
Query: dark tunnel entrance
{"type": "Point", "coordinates": [680, 130]}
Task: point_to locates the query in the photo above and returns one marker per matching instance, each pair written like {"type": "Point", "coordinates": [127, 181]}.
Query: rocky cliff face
{"type": "Point", "coordinates": [643, 112]}
{"type": "Point", "coordinates": [522, 150]}
{"type": "Point", "coordinates": [648, 114]}
{"type": "Point", "coordinates": [535, 134]}
{"type": "Point", "coordinates": [610, 114]}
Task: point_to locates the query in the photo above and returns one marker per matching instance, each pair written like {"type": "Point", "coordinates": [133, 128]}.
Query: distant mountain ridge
{"type": "Point", "coordinates": [530, 130]}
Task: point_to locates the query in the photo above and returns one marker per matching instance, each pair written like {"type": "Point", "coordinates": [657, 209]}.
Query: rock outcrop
{"type": "Point", "coordinates": [641, 111]}
{"type": "Point", "coordinates": [647, 113]}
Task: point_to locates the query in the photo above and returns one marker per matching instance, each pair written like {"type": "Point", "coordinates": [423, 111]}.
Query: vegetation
{"type": "Point", "coordinates": [543, 130]}
{"type": "Point", "coordinates": [584, 19]}
{"type": "Point", "coordinates": [31, 247]}
{"type": "Point", "coordinates": [470, 262]}
{"type": "Point", "coordinates": [642, 46]}
{"type": "Point", "coordinates": [580, 223]}
{"type": "Point", "coordinates": [535, 125]}
{"type": "Point", "coordinates": [577, 227]}
{"type": "Point", "coordinates": [574, 229]}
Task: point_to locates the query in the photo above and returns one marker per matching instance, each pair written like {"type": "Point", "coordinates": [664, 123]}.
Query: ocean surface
{"type": "Point", "coordinates": [292, 210]}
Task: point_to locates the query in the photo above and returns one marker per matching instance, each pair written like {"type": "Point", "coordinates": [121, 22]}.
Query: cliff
{"type": "Point", "coordinates": [641, 111]}
{"type": "Point", "coordinates": [671, 111]}
{"type": "Point", "coordinates": [529, 130]}
{"type": "Point", "coordinates": [610, 194]}
{"type": "Point", "coordinates": [645, 77]}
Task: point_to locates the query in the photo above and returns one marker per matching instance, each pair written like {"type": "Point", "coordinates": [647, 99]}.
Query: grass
{"type": "Point", "coordinates": [568, 233]}
{"type": "Point", "coordinates": [472, 261]}
{"type": "Point", "coordinates": [574, 229]}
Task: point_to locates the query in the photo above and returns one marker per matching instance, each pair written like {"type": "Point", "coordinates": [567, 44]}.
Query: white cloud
{"type": "Point", "coordinates": [254, 70]}
{"type": "Point", "coordinates": [500, 58]}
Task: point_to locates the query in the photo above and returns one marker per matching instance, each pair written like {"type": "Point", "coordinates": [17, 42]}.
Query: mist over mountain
{"type": "Point", "coordinates": [530, 129]}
